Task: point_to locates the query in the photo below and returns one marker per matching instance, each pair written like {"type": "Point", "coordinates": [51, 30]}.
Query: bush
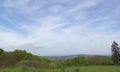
{"type": "Point", "coordinates": [31, 63]}
{"type": "Point", "coordinates": [77, 70]}
{"type": "Point", "coordinates": [78, 61]}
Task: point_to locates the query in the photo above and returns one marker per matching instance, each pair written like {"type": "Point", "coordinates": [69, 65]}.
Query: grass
{"type": "Point", "coordinates": [69, 69]}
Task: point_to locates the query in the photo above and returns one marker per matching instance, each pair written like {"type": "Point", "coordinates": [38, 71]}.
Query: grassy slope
{"type": "Point", "coordinates": [70, 69]}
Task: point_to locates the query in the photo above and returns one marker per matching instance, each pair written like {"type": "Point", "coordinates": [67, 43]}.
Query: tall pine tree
{"type": "Point", "coordinates": [115, 53]}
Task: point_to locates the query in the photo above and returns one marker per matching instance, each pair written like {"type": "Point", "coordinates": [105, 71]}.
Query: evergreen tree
{"type": "Point", "coordinates": [115, 53]}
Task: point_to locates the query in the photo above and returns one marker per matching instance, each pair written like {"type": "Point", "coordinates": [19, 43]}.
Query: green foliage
{"type": "Point", "coordinates": [32, 63]}
{"type": "Point", "coordinates": [85, 61]}
{"type": "Point", "coordinates": [77, 70]}
{"type": "Point", "coordinates": [62, 69]}
{"type": "Point", "coordinates": [100, 60]}
{"type": "Point", "coordinates": [78, 61]}
{"type": "Point", "coordinates": [1, 51]}
{"type": "Point", "coordinates": [68, 69]}
{"type": "Point", "coordinates": [7, 60]}
{"type": "Point", "coordinates": [21, 57]}
{"type": "Point", "coordinates": [20, 54]}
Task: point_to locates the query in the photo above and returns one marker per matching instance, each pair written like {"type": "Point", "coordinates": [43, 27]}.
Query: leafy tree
{"type": "Point", "coordinates": [115, 53]}
{"type": "Point", "coordinates": [19, 54]}
{"type": "Point", "coordinates": [1, 51]}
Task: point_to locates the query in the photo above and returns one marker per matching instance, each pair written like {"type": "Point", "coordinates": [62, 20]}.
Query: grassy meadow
{"type": "Point", "coordinates": [67, 69]}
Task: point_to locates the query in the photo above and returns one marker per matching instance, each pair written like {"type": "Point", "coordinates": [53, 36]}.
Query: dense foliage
{"type": "Point", "coordinates": [78, 61]}
{"type": "Point", "coordinates": [21, 57]}
{"type": "Point", "coordinates": [85, 61]}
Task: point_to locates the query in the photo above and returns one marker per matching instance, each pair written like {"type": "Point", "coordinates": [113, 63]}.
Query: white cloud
{"type": "Point", "coordinates": [83, 6]}
{"type": "Point", "coordinates": [46, 35]}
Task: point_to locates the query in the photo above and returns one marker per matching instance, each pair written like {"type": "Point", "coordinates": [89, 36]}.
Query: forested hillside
{"type": "Point", "coordinates": [23, 58]}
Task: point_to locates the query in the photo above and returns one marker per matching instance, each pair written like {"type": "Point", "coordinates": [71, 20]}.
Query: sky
{"type": "Point", "coordinates": [59, 27]}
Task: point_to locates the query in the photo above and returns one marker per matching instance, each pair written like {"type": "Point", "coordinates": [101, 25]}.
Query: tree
{"type": "Point", "coordinates": [19, 54]}
{"type": "Point", "coordinates": [115, 53]}
{"type": "Point", "coordinates": [1, 51]}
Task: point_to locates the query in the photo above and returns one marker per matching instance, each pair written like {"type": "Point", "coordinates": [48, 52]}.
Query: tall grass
{"type": "Point", "coordinates": [70, 69]}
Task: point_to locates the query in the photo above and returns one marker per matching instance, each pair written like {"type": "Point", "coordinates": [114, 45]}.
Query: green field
{"type": "Point", "coordinates": [68, 69]}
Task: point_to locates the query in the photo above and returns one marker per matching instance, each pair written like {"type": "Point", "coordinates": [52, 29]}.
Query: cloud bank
{"type": "Point", "coordinates": [59, 27]}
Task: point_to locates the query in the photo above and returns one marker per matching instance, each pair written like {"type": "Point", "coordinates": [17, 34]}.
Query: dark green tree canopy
{"type": "Point", "coordinates": [115, 52]}
{"type": "Point", "coordinates": [1, 51]}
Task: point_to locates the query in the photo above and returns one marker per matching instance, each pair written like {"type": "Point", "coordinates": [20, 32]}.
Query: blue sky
{"type": "Point", "coordinates": [59, 27]}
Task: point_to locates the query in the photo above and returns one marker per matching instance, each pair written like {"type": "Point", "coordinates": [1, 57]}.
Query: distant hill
{"type": "Point", "coordinates": [70, 56]}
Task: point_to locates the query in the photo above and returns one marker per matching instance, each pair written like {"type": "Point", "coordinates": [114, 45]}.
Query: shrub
{"type": "Point", "coordinates": [32, 63]}
{"type": "Point", "coordinates": [77, 70]}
